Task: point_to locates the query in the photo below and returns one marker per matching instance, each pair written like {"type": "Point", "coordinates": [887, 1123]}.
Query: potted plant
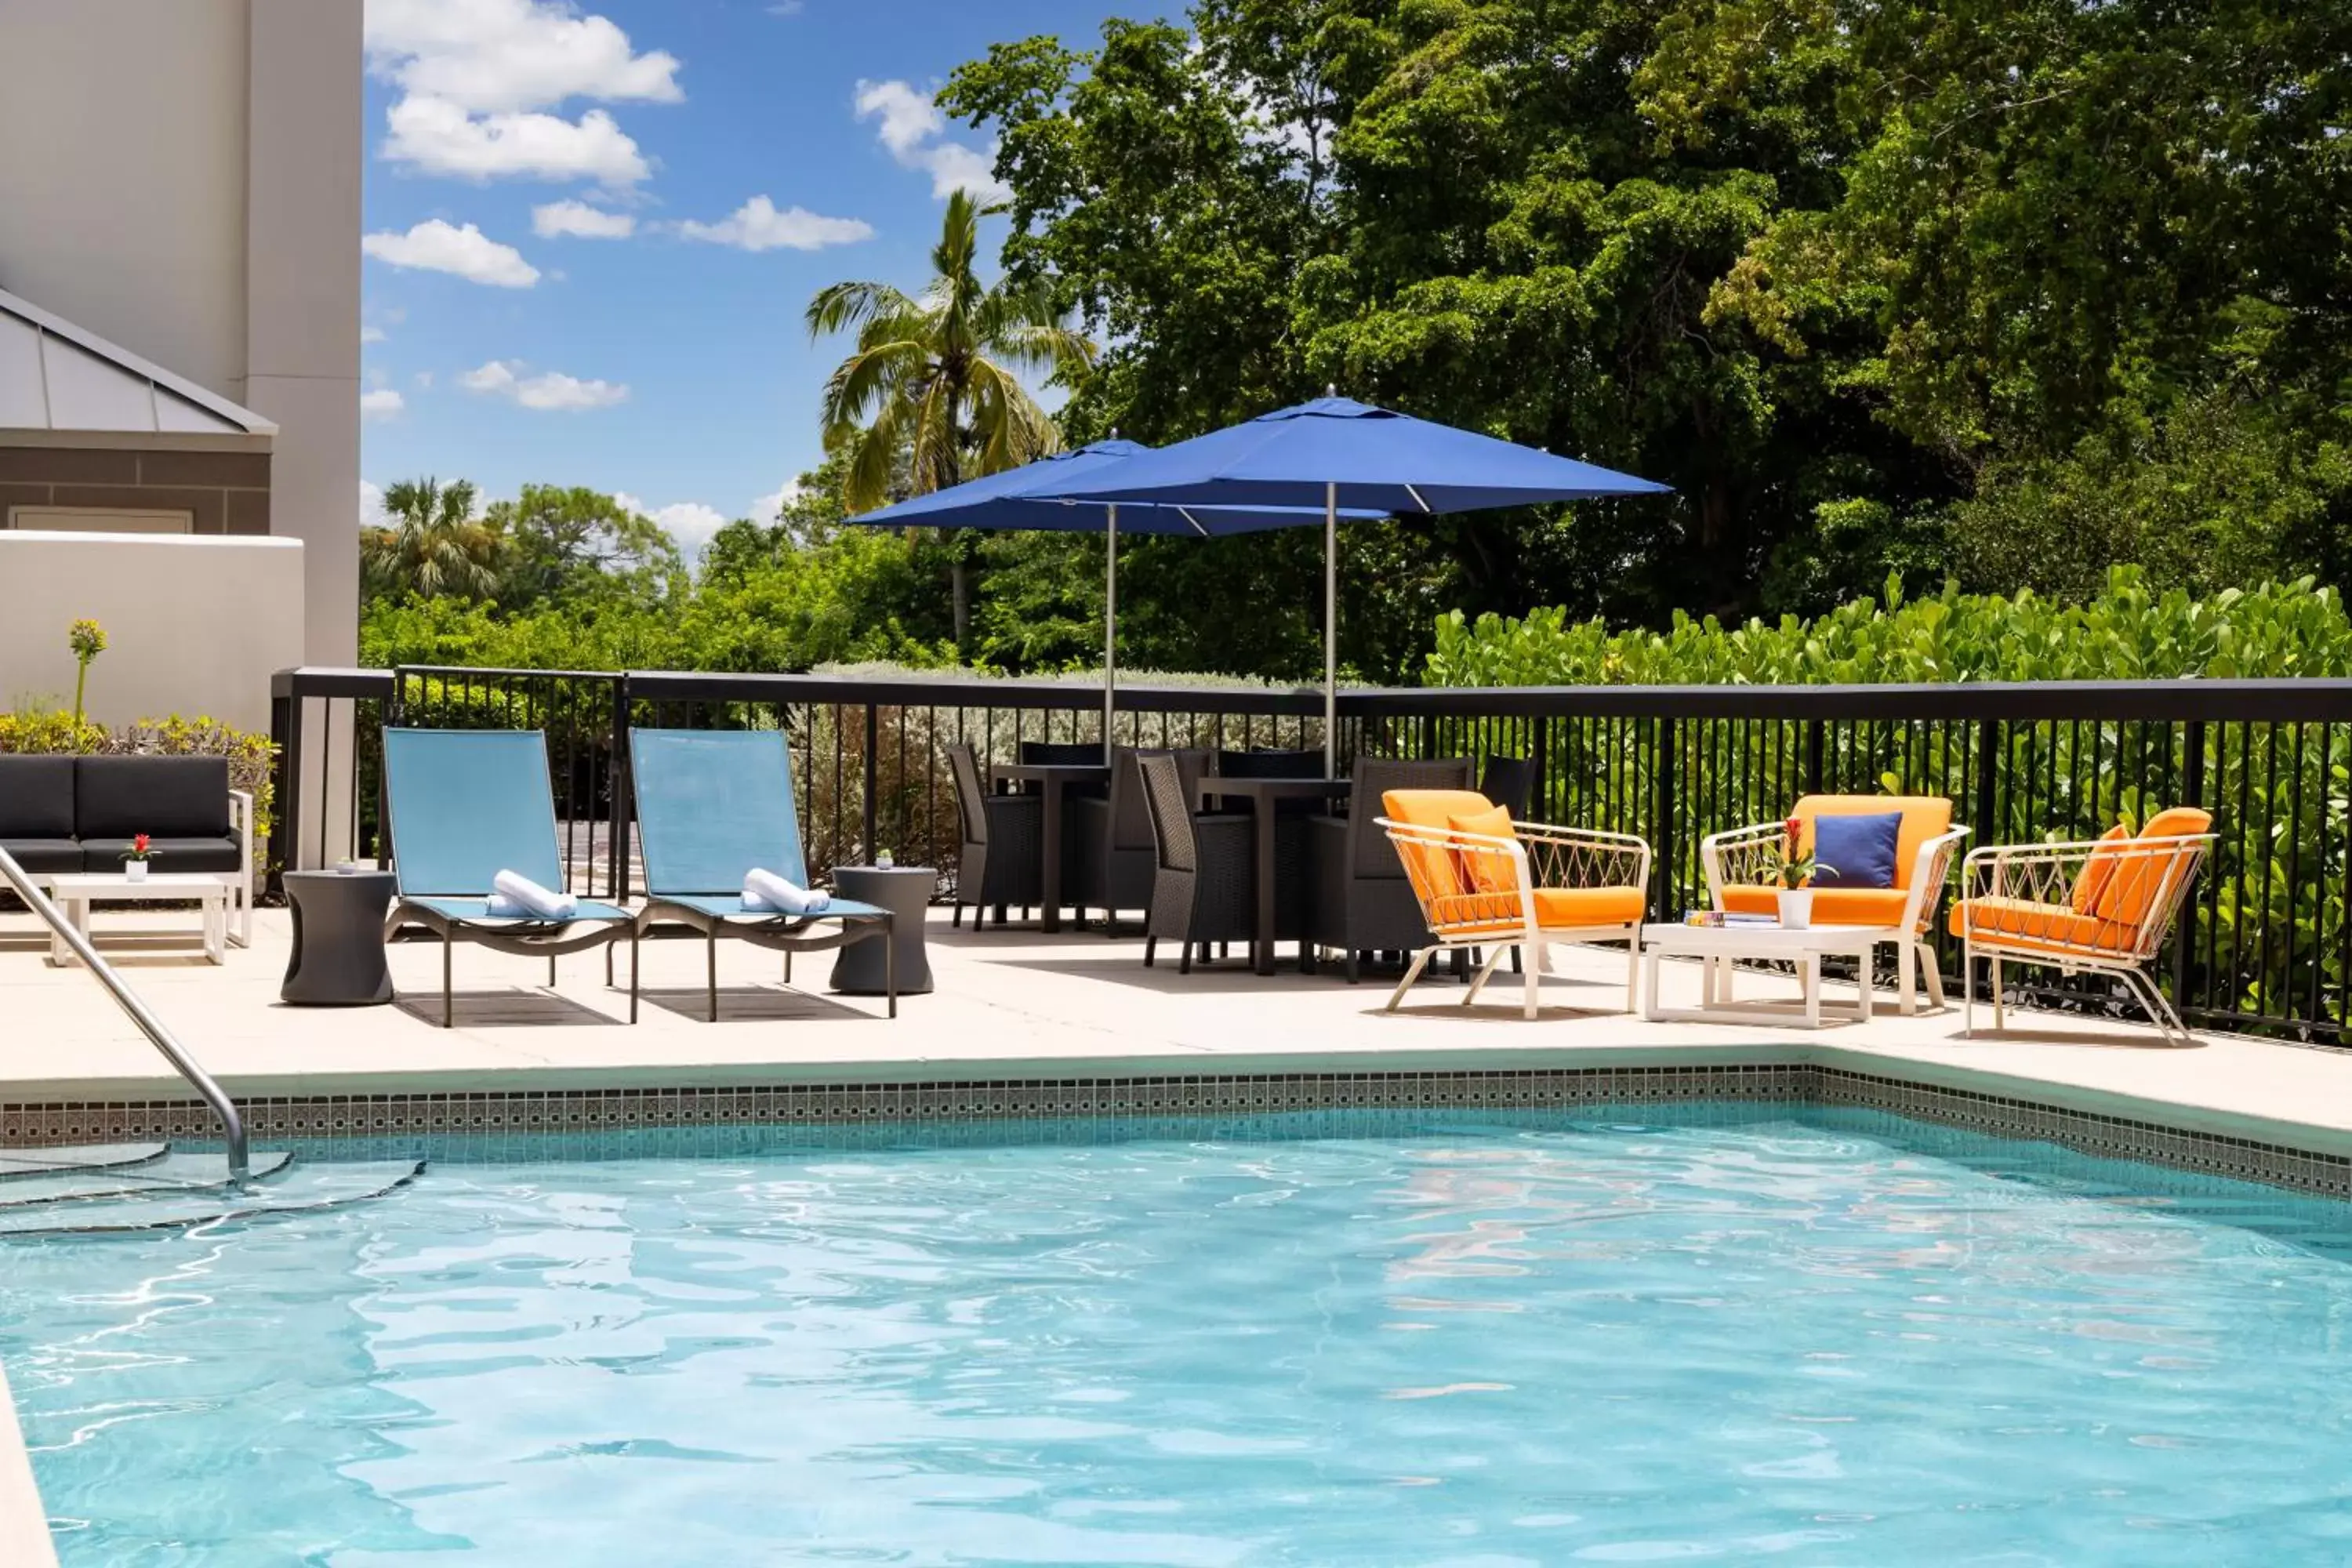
{"type": "Point", "coordinates": [1791, 870]}
{"type": "Point", "coordinates": [135, 858]}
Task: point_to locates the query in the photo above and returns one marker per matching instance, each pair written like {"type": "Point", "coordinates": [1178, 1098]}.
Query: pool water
{"type": "Point", "coordinates": [1729, 1334]}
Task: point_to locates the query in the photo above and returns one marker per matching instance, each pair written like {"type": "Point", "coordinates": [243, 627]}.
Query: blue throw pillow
{"type": "Point", "coordinates": [1856, 851]}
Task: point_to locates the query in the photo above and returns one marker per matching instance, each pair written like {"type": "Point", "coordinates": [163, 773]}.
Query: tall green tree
{"type": "Point", "coordinates": [434, 546]}
{"type": "Point", "coordinates": [567, 543]}
{"type": "Point", "coordinates": [934, 379]}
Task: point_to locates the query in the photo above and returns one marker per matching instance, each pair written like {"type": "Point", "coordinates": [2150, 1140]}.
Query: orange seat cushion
{"type": "Point", "coordinates": [1832, 906]}
{"type": "Point", "coordinates": [1434, 869]}
{"type": "Point", "coordinates": [1557, 909]}
{"type": "Point", "coordinates": [1924, 816]}
{"type": "Point", "coordinates": [2022, 924]}
{"type": "Point", "coordinates": [1482, 870]}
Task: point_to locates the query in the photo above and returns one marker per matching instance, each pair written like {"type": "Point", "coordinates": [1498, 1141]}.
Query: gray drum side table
{"type": "Point", "coordinates": [905, 891]}
{"type": "Point", "coordinates": [338, 958]}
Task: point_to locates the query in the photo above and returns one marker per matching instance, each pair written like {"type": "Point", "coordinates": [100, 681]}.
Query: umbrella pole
{"type": "Point", "coordinates": [1110, 625]}
{"type": "Point", "coordinates": [1330, 630]}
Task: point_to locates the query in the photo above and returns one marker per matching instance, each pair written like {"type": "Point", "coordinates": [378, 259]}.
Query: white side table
{"type": "Point", "coordinates": [1720, 947]}
{"type": "Point", "coordinates": [73, 894]}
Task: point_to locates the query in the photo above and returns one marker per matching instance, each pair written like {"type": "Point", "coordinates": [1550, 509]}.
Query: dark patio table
{"type": "Point", "coordinates": [1054, 779]}
{"type": "Point", "coordinates": [1263, 795]}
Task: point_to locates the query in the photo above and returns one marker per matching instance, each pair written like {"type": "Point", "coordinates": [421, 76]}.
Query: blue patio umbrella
{"type": "Point", "coordinates": [1334, 454]}
{"type": "Point", "coordinates": [1026, 498]}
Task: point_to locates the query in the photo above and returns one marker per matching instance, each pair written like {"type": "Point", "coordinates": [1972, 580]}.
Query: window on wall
{"type": "Point", "coordinates": [99, 520]}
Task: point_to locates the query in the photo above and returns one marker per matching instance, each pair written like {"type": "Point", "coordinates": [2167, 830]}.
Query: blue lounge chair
{"type": "Point", "coordinates": [712, 804]}
{"type": "Point", "coordinates": [462, 806]}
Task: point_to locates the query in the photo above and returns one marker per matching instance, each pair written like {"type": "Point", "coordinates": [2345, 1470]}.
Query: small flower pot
{"type": "Point", "coordinates": [134, 871]}
{"type": "Point", "coordinates": [1796, 907]}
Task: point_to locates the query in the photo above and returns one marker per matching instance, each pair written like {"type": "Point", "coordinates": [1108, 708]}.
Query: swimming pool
{"type": "Point", "coordinates": [1727, 1332]}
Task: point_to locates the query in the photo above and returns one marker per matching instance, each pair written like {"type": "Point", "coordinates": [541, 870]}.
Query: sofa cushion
{"type": "Point", "coordinates": [172, 857]}
{"type": "Point", "coordinates": [164, 797]}
{"type": "Point", "coordinates": [44, 857]}
{"type": "Point", "coordinates": [36, 798]}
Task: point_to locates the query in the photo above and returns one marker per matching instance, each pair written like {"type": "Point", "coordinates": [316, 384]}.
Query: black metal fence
{"type": "Point", "coordinates": [2267, 945]}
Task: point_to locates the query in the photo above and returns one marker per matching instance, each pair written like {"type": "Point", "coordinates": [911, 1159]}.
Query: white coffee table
{"type": "Point", "coordinates": [73, 894]}
{"type": "Point", "coordinates": [1720, 947]}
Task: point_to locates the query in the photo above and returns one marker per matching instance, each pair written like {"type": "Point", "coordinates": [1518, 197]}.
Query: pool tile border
{"type": "Point", "coordinates": [589, 1112]}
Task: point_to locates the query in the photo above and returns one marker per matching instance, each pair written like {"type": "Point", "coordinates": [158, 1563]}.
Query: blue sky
{"type": "Point", "coordinates": [591, 229]}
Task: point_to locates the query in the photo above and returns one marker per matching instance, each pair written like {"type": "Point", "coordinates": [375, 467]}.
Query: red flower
{"type": "Point", "coordinates": [1793, 830]}
{"type": "Point", "coordinates": [139, 843]}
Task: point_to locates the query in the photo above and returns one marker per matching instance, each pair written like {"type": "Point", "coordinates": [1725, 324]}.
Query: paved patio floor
{"type": "Point", "coordinates": [1023, 1005]}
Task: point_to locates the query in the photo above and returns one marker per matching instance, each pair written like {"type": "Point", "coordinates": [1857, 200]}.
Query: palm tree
{"type": "Point", "coordinates": [434, 545]}
{"type": "Point", "coordinates": [935, 377]}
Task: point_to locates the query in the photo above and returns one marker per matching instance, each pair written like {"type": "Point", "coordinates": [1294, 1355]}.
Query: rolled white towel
{"type": "Point", "coordinates": [515, 895]}
{"type": "Point", "coordinates": [765, 892]}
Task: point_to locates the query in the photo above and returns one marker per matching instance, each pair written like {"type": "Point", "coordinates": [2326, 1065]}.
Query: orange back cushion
{"type": "Point", "coordinates": [1484, 869]}
{"type": "Point", "coordinates": [2132, 890]}
{"type": "Point", "coordinates": [1924, 816]}
{"type": "Point", "coordinates": [2097, 872]}
{"type": "Point", "coordinates": [1432, 867]}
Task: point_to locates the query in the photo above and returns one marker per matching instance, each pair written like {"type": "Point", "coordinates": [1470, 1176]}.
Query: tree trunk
{"type": "Point", "coordinates": [959, 593]}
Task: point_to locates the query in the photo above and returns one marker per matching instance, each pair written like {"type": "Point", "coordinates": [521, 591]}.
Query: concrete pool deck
{"type": "Point", "coordinates": [1022, 1005]}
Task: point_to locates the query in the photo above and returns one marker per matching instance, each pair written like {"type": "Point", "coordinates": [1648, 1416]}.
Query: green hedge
{"type": "Point", "coordinates": [2128, 633]}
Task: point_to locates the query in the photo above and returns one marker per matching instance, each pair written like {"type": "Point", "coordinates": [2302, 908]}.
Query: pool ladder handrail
{"type": "Point", "coordinates": [240, 1163]}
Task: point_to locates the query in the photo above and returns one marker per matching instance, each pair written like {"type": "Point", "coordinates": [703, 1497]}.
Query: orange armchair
{"type": "Point", "coordinates": [1486, 881]}
{"type": "Point", "coordinates": [1734, 863]}
{"type": "Point", "coordinates": [2101, 906]}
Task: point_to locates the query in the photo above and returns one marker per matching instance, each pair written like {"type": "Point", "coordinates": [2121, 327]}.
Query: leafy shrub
{"type": "Point", "coordinates": [2127, 633]}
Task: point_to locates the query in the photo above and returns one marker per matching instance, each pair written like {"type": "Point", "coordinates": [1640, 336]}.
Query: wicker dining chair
{"type": "Point", "coordinates": [1362, 901]}
{"type": "Point", "coordinates": [1510, 782]}
{"type": "Point", "coordinates": [1201, 885]}
{"type": "Point", "coordinates": [1003, 861]}
{"type": "Point", "coordinates": [1114, 859]}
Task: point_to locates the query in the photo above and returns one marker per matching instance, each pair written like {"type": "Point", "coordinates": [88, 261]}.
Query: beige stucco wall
{"type": "Point", "coordinates": [122, 167]}
{"type": "Point", "coordinates": [182, 177]}
{"type": "Point", "coordinates": [194, 625]}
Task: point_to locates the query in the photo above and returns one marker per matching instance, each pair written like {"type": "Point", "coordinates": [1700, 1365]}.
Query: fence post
{"type": "Point", "coordinates": [286, 736]}
{"type": "Point", "coordinates": [1665, 819]}
{"type": "Point", "coordinates": [617, 870]}
{"type": "Point", "coordinates": [1812, 756]}
{"type": "Point", "coordinates": [1988, 731]}
{"type": "Point", "coordinates": [2192, 783]}
{"type": "Point", "coordinates": [872, 786]}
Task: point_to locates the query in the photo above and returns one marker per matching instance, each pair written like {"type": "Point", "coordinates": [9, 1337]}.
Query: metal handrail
{"type": "Point", "coordinates": [240, 1163]}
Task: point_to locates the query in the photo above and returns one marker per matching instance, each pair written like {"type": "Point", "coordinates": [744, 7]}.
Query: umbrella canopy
{"type": "Point", "coordinates": [1336, 453]}
{"type": "Point", "coordinates": [1027, 498]}
{"type": "Point", "coordinates": [1031, 497]}
{"type": "Point", "coordinates": [1378, 460]}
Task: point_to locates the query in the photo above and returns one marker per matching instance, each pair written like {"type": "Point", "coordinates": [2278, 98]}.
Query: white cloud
{"type": "Point", "coordinates": [372, 513]}
{"type": "Point", "coordinates": [909, 130]}
{"type": "Point", "coordinates": [758, 225]}
{"type": "Point", "coordinates": [689, 523]}
{"type": "Point", "coordinates": [372, 334]}
{"type": "Point", "coordinates": [549, 390]}
{"type": "Point", "coordinates": [493, 56]}
{"type": "Point", "coordinates": [434, 246]}
{"type": "Point", "coordinates": [581, 221]}
{"type": "Point", "coordinates": [785, 8]}
{"type": "Point", "coordinates": [764, 509]}
{"type": "Point", "coordinates": [437, 137]}
{"type": "Point", "coordinates": [381, 404]}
